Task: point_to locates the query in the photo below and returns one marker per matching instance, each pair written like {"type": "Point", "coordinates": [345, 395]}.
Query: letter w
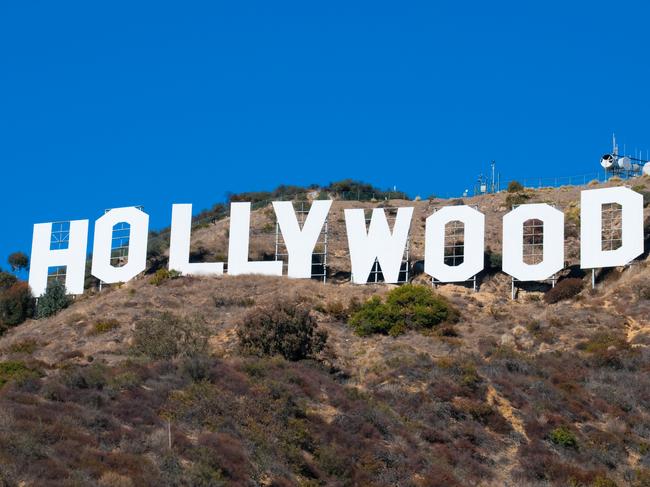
{"type": "Point", "coordinates": [378, 243]}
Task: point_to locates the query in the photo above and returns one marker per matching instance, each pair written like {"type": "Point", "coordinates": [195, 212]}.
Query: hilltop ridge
{"type": "Point", "coordinates": [514, 392]}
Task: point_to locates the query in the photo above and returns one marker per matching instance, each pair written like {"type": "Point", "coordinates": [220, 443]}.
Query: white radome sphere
{"type": "Point", "coordinates": [607, 161]}
{"type": "Point", "coordinates": [625, 163]}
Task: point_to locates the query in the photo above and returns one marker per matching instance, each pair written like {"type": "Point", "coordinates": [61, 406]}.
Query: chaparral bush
{"type": "Point", "coordinates": [285, 328]}
{"type": "Point", "coordinates": [563, 436]}
{"type": "Point", "coordinates": [162, 275]}
{"type": "Point", "coordinates": [408, 307]}
{"type": "Point", "coordinates": [515, 187]}
{"type": "Point", "coordinates": [165, 336]}
{"type": "Point", "coordinates": [54, 300]}
{"type": "Point", "coordinates": [104, 326]}
{"type": "Point", "coordinates": [14, 370]}
{"type": "Point", "coordinates": [516, 199]}
{"type": "Point", "coordinates": [564, 289]}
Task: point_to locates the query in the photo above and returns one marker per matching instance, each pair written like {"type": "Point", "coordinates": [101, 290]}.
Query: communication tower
{"type": "Point", "coordinates": [616, 164]}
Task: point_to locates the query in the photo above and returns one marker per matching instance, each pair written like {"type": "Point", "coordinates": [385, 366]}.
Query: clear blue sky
{"type": "Point", "coordinates": [107, 104]}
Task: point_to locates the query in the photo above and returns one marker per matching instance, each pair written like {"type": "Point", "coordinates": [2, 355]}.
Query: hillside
{"type": "Point", "coordinates": [510, 393]}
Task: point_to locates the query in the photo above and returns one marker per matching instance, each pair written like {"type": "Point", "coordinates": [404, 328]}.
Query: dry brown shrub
{"type": "Point", "coordinates": [284, 328]}
{"type": "Point", "coordinates": [113, 479]}
{"type": "Point", "coordinates": [565, 289]}
{"type": "Point", "coordinates": [166, 336]}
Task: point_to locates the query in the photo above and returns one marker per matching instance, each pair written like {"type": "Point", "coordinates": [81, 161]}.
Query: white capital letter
{"type": "Point", "coordinates": [591, 225]}
{"type": "Point", "coordinates": [377, 243]}
{"type": "Point", "coordinates": [74, 257]}
{"type": "Point", "coordinates": [179, 245]}
{"type": "Point", "coordinates": [300, 243]}
{"type": "Point", "coordinates": [238, 263]}
{"type": "Point", "coordinates": [513, 242]}
{"type": "Point", "coordinates": [473, 244]}
{"type": "Point", "coordinates": [138, 221]}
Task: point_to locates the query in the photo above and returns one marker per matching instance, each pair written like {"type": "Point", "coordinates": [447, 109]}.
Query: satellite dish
{"type": "Point", "coordinates": [625, 163]}
{"type": "Point", "coordinates": [646, 168]}
{"type": "Point", "coordinates": [607, 161]}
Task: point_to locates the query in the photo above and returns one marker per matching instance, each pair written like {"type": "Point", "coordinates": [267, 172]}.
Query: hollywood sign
{"type": "Point", "coordinates": [368, 244]}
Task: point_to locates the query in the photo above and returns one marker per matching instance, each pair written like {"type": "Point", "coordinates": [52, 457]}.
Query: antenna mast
{"type": "Point", "coordinates": [493, 187]}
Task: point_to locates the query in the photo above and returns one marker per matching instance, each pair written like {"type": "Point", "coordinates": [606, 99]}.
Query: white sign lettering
{"type": "Point", "coordinates": [376, 242]}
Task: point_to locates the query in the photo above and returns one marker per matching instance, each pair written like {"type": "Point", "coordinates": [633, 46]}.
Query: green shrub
{"type": "Point", "coordinates": [283, 328]}
{"type": "Point", "coordinates": [161, 275]}
{"type": "Point", "coordinates": [221, 301]}
{"type": "Point", "coordinates": [351, 189]}
{"type": "Point", "coordinates": [563, 436]}
{"type": "Point", "coordinates": [54, 300]}
{"type": "Point", "coordinates": [28, 346]}
{"type": "Point", "coordinates": [408, 307]}
{"type": "Point", "coordinates": [104, 326]}
{"type": "Point", "coordinates": [601, 481]}
{"type": "Point", "coordinates": [14, 370]}
{"type": "Point", "coordinates": [165, 336]}
{"type": "Point", "coordinates": [564, 289]}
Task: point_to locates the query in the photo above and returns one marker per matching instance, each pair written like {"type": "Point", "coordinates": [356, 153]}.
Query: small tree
{"type": "Point", "coordinates": [18, 261]}
{"type": "Point", "coordinates": [7, 279]}
{"type": "Point", "coordinates": [515, 187]}
{"type": "Point", "coordinates": [16, 305]}
{"type": "Point", "coordinates": [54, 300]}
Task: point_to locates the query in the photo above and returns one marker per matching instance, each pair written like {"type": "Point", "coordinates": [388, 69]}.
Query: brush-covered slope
{"type": "Point", "coordinates": [511, 393]}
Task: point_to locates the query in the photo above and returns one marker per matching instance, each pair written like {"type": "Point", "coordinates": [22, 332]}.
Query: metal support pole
{"type": "Point", "coordinates": [512, 288]}
{"type": "Point", "coordinates": [593, 278]}
{"type": "Point", "coordinates": [325, 251]}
